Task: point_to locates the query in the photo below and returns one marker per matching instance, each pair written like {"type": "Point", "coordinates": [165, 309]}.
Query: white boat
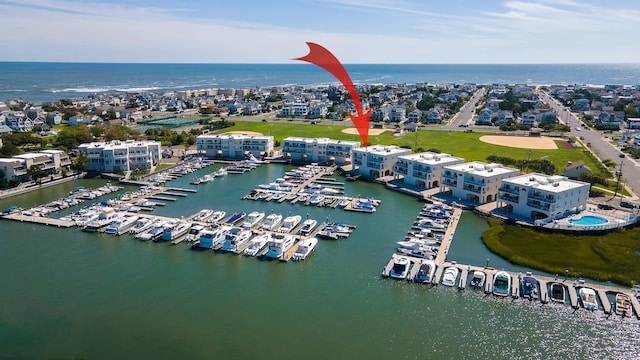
{"type": "Point", "coordinates": [217, 216]}
{"type": "Point", "coordinates": [252, 219]}
{"type": "Point", "coordinates": [271, 222]}
{"type": "Point", "coordinates": [203, 215]}
{"type": "Point", "coordinates": [305, 247]}
{"type": "Point", "coordinates": [235, 238]}
{"type": "Point", "coordinates": [258, 243]}
{"type": "Point", "coordinates": [400, 268]}
{"type": "Point", "coordinates": [316, 199]}
{"type": "Point", "coordinates": [425, 272]}
{"type": "Point", "coordinates": [209, 238]}
{"type": "Point", "coordinates": [141, 225]}
{"type": "Point", "coordinates": [122, 225]}
{"type": "Point", "coordinates": [415, 243]}
{"type": "Point", "coordinates": [501, 283]}
{"type": "Point", "coordinates": [279, 244]}
{"type": "Point", "coordinates": [450, 275]}
{"type": "Point", "coordinates": [175, 232]}
{"type": "Point", "coordinates": [623, 305]}
{"type": "Point", "coordinates": [424, 252]}
{"type": "Point", "coordinates": [366, 205]}
{"type": "Point", "coordinates": [429, 224]}
{"type": "Point", "coordinates": [105, 218]}
{"type": "Point", "coordinates": [153, 233]}
{"type": "Point", "coordinates": [478, 279]}
{"type": "Point", "coordinates": [289, 223]}
{"type": "Point", "coordinates": [307, 227]}
{"type": "Point", "coordinates": [588, 298]}
{"type": "Point", "coordinates": [194, 233]}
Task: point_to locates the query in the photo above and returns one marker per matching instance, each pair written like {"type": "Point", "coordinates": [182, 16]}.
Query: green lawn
{"type": "Point", "coordinates": [612, 257]}
{"type": "Point", "coordinates": [461, 144]}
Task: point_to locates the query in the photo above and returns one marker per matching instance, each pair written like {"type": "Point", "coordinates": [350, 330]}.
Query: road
{"type": "Point", "coordinates": [600, 145]}
{"type": "Point", "coordinates": [464, 117]}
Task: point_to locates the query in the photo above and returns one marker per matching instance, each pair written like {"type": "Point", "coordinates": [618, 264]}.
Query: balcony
{"type": "Point", "coordinates": [449, 182]}
{"type": "Point", "coordinates": [510, 190]}
{"type": "Point", "coordinates": [542, 197]}
{"type": "Point", "coordinates": [536, 204]}
{"type": "Point", "coordinates": [400, 170]}
{"type": "Point", "coordinates": [449, 176]}
{"type": "Point", "coordinates": [472, 188]}
{"type": "Point", "coordinates": [470, 180]}
{"type": "Point", "coordinates": [508, 197]}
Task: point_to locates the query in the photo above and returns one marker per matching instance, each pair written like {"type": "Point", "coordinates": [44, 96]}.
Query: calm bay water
{"type": "Point", "coordinates": [66, 293]}
{"type": "Point", "coordinates": [42, 81]}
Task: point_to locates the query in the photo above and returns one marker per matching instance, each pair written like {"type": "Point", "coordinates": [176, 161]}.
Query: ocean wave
{"type": "Point", "coordinates": [106, 89]}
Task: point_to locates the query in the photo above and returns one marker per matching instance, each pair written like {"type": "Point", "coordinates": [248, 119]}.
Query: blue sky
{"type": "Point", "coordinates": [356, 31]}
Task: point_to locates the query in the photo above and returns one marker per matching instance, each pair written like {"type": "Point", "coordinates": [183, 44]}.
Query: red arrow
{"type": "Point", "coordinates": [320, 56]}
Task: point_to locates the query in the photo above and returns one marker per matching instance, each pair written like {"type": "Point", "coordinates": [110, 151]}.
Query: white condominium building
{"type": "Point", "coordinates": [475, 181]}
{"type": "Point", "coordinates": [538, 196]}
{"type": "Point", "coordinates": [320, 150]}
{"type": "Point", "coordinates": [377, 160]}
{"type": "Point", "coordinates": [121, 156]}
{"type": "Point", "coordinates": [424, 170]}
{"type": "Point", "coordinates": [49, 161]}
{"type": "Point", "coordinates": [234, 146]}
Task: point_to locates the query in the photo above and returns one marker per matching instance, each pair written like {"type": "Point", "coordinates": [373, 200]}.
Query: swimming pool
{"type": "Point", "coordinates": [589, 220]}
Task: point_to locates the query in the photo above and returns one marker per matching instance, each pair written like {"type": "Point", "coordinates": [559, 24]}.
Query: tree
{"type": "Point", "coordinates": [80, 163]}
{"type": "Point", "coordinates": [35, 173]}
{"type": "Point", "coordinates": [116, 132]}
{"type": "Point", "coordinates": [425, 103]}
{"type": "Point", "coordinates": [9, 149]}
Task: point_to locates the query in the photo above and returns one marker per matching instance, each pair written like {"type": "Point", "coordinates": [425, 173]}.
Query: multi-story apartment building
{"type": "Point", "coordinates": [234, 146]}
{"type": "Point", "coordinates": [424, 170]}
{"type": "Point", "coordinates": [320, 150]}
{"type": "Point", "coordinates": [539, 196]}
{"type": "Point", "coordinates": [475, 181]}
{"type": "Point", "coordinates": [377, 160]}
{"type": "Point", "coordinates": [121, 156]}
{"type": "Point", "coordinates": [49, 161]}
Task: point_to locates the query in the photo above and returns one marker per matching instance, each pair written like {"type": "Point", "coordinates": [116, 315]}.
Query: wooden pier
{"type": "Point", "coordinates": [40, 220]}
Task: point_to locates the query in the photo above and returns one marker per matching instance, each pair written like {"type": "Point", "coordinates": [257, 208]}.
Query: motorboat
{"type": "Point", "coordinates": [106, 217]}
{"type": "Point", "coordinates": [153, 233]}
{"type": "Point", "coordinates": [235, 218]}
{"type": "Point", "coordinates": [501, 283]}
{"type": "Point", "coordinates": [121, 225]}
{"type": "Point", "coordinates": [478, 279]}
{"type": "Point", "coordinates": [210, 238]}
{"type": "Point", "coordinates": [529, 287]}
{"type": "Point", "coordinates": [203, 215]}
{"type": "Point", "coordinates": [623, 305]}
{"type": "Point", "coordinates": [316, 199]}
{"type": "Point", "coordinates": [143, 224]}
{"type": "Point", "coordinates": [280, 244]}
{"type": "Point", "coordinates": [252, 219]}
{"type": "Point", "coordinates": [217, 216]}
{"type": "Point", "coordinates": [450, 275]}
{"type": "Point", "coordinates": [557, 293]}
{"type": "Point", "coordinates": [588, 298]}
{"type": "Point", "coordinates": [307, 227]}
{"type": "Point", "coordinates": [271, 222]}
{"type": "Point", "coordinates": [194, 233]}
{"type": "Point", "coordinates": [235, 238]}
{"type": "Point", "coordinates": [258, 243]}
{"type": "Point", "coordinates": [344, 202]}
{"type": "Point", "coordinates": [305, 247]}
{"type": "Point", "coordinates": [425, 272]}
{"type": "Point", "coordinates": [366, 205]}
{"type": "Point", "coordinates": [400, 268]}
{"type": "Point", "coordinates": [173, 232]}
{"type": "Point", "coordinates": [430, 224]}
{"type": "Point", "coordinates": [424, 252]}
{"type": "Point", "coordinates": [415, 243]}
{"type": "Point", "coordinates": [289, 223]}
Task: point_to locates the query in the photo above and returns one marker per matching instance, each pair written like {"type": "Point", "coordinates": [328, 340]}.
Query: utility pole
{"type": "Point", "coordinates": [619, 173]}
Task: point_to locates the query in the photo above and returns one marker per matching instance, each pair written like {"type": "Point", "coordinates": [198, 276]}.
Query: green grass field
{"type": "Point", "coordinates": [611, 257]}
{"type": "Point", "coordinates": [461, 144]}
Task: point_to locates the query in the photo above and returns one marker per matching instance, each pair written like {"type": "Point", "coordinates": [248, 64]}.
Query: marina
{"type": "Point", "coordinates": [141, 270]}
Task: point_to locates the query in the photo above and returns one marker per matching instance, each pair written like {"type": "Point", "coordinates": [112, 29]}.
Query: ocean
{"type": "Point", "coordinates": [42, 81]}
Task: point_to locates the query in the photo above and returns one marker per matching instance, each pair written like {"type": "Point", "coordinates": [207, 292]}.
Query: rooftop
{"type": "Point", "coordinates": [549, 183]}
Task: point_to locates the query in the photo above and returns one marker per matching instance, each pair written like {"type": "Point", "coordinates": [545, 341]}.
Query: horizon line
{"type": "Point", "coordinates": [299, 64]}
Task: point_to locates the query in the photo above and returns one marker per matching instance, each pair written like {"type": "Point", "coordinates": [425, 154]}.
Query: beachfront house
{"type": "Point", "coordinates": [377, 160]}
{"type": "Point", "coordinates": [121, 156]}
{"type": "Point", "coordinates": [423, 170]}
{"type": "Point", "coordinates": [234, 146]}
{"type": "Point", "coordinates": [49, 161]}
{"type": "Point", "coordinates": [475, 181]}
{"type": "Point", "coordinates": [537, 196]}
{"type": "Point", "coordinates": [320, 150]}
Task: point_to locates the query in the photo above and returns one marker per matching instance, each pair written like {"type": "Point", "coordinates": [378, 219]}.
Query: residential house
{"type": "Point", "coordinates": [538, 196]}
{"type": "Point", "coordinates": [397, 114]}
{"type": "Point", "coordinates": [234, 146]}
{"type": "Point", "coordinates": [434, 117]}
{"type": "Point", "coordinates": [574, 169]}
{"type": "Point", "coordinates": [320, 150]}
{"type": "Point", "coordinates": [476, 182]}
{"type": "Point", "coordinates": [484, 117]}
{"type": "Point", "coordinates": [121, 156]}
{"type": "Point", "coordinates": [377, 160]}
{"type": "Point", "coordinates": [424, 170]}
{"type": "Point", "coordinates": [414, 116]}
